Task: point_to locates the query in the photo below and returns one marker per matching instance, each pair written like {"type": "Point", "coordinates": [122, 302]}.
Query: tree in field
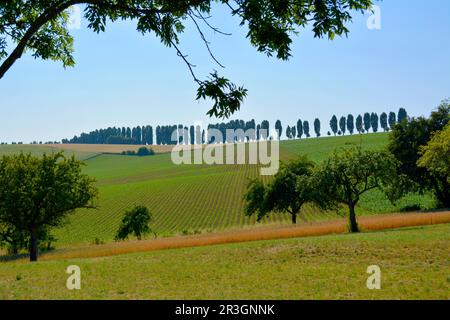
{"type": "Point", "coordinates": [299, 128]}
{"type": "Point", "coordinates": [350, 123]}
{"type": "Point", "coordinates": [135, 221]}
{"type": "Point", "coordinates": [288, 132]}
{"type": "Point", "coordinates": [406, 142]}
{"type": "Point", "coordinates": [349, 174]}
{"type": "Point", "coordinates": [392, 119]}
{"type": "Point", "coordinates": [144, 151]}
{"type": "Point", "coordinates": [192, 135]}
{"type": "Point", "coordinates": [279, 128]}
{"type": "Point", "coordinates": [317, 127]}
{"type": "Point", "coordinates": [367, 123]}
{"type": "Point", "coordinates": [402, 115]}
{"type": "Point", "coordinates": [384, 122]}
{"type": "Point", "coordinates": [435, 156]}
{"type": "Point", "coordinates": [265, 126]}
{"type": "Point", "coordinates": [306, 128]}
{"type": "Point", "coordinates": [334, 124]}
{"type": "Point", "coordinates": [293, 132]}
{"type": "Point", "coordinates": [15, 240]}
{"type": "Point", "coordinates": [41, 28]}
{"type": "Point", "coordinates": [38, 193]}
{"type": "Point", "coordinates": [292, 187]}
{"type": "Point", "coordinates": [359, 124]}
{"type": "Point", "coordinates": [374, 122]}
{"type": "Point", "coordinates": [342, 125]}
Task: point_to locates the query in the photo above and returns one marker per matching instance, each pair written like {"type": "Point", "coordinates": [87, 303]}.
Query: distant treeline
{"type": "Point", "coordinates": [180, 134]}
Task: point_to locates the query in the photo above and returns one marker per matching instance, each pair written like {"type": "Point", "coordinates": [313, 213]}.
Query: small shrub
{"type": "Point", "coordinates": [143, 151]}
{"type": "Point", "coordinates": [98, 241]}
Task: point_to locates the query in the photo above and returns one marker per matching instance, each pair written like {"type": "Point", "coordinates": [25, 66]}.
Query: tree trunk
{"type": "Point", "coordinates": [294, 218]}
{"type": "Point", "coordinates": [33, 245]}
{"type": "Point", "coordinates": [353, 224]}
{"type": "Point", "coordinates": [442, 190]}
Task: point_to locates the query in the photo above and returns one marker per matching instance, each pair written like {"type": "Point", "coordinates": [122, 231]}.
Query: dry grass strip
{"type": "Point", "coordinates": [371, 223]}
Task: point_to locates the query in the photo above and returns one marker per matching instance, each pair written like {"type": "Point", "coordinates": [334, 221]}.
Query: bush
{"type": "Point", "coordinates": [143, 151]}
{"type": "Point", "coordinates": [136, 221]}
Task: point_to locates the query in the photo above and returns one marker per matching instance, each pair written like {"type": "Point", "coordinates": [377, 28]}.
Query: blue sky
{"type": "Point", "coordinates": [122, 78]}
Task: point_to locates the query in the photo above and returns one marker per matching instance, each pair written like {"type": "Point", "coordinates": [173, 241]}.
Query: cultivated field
{"type": "Point", "coordinates": [190, 199]}
{"type": "Point", "coordinates": [414, 264]}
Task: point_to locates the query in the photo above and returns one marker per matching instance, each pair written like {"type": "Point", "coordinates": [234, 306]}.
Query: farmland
{"type": "Point", "coordinates": [414, 263]}
{"type": "Point", "coordinates": [186, 199]}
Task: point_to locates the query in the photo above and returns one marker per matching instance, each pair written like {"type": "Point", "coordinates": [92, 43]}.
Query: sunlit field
{"type": "Point", "coordinates": [414, 264]}
{"type": "Point", "coordinates": [193, 199]}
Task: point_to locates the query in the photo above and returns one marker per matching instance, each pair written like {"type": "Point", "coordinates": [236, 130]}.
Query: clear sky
{"type": "Point", "coordinates": [122, 78]}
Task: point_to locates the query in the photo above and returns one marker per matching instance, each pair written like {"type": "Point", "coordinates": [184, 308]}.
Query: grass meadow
{"type": "Point", "coordinates": [414, 262]}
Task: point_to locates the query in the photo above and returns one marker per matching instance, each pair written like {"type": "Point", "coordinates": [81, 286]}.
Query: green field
{"type": "Point", "coordinates": [195, 198]}
{"type": "Point", "coordinates": [414, 262]}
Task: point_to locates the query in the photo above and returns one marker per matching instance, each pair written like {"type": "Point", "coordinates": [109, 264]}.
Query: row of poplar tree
{"type": "Point", "coordinates": [164, 135]}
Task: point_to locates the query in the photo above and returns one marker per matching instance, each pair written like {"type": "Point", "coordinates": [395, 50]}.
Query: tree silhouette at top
{"type": "Point", "coordinates": [41, 27]}
{"type": "Point", "coordinates": [334, 124]}
{"type": "Point", "coordinates": [367, 123]}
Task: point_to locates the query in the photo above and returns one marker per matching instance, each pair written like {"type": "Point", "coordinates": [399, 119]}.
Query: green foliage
{"type": "Point", "coordinates": [402, 115]}
{"type": "Point", "coordinates": [279, 129]}
{"type": "Point", "coordinates": [367, 122]}
{"type": "Point", "coordinates": [299, 128]}
{"type": "Point", "coordinates": [350, 123]}
{"type": "Point", "coordinates": [16, 240]}
{"type": "Point", "coordinates": [142, 152]}
{"type": "Point", "coordinates": [374, 122]}
{"type": "Point", "coordinates": [392, 120]}
{"type": "Point", "coordinates": [334, 124]}
{"type": "Point", "coordinates": [359, 124]}
{"type": "Point", "coordinates": [343, 125]}
{"type": "Point", "coordinates": [306, 129]}
{"type": "Point", "coordinates": [436, 154]}
{"type": "Point", "coordinates": [317, 127]}
{"type": "Point", "coordinates": [352, 172]}
{"type": "Point", "coordinates": [38, 193]}
{"type": "Point", "coordinates": [407, 140]}
{"type": "Point", "coordinates": [292, 187]}
{"type": "Point", "coordinates": [41, 27]}
{"type": "Point", "coordinates": [135, 221]}
{"type": "Point", "coordinates": [384, 122]}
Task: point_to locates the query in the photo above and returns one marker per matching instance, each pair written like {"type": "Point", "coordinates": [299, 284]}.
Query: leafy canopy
{"type": "Point", "coordinates": [41, 27]}
{"type": "Point", "coordinates": [406, 142]}
{"type": "Point", "coordinates": [292, 187]}
{"type": "Point", "coordinates": [135, 221]}
{"type": "Point", "coordinates": [349, 173]}
{"type": "Point", "coordinates": [436, 154]}
{"type": "Point", "coordinates": [39, 193]}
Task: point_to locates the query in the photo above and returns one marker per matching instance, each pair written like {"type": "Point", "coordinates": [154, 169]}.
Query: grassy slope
{"type": "Point", "coordinates": [194, 197]}
{"type": "Point", "coordinates": [414, 264]}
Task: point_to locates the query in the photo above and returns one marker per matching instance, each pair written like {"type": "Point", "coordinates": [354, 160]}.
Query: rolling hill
{"type": "Point", "coordinates": [188, 199]}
